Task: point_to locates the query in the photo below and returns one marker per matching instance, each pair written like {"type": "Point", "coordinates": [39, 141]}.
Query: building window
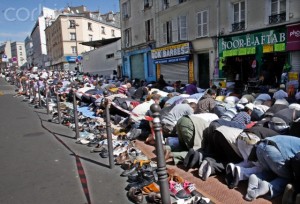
{"type": "Point", "coordinates": [238, 16]}
{"type": "Point", "coordinates": [202, 21]}
{"type": "Point", "coordinates": [126, 10]}
{"type": "Point", "coordinates": [73, 36]}
{"type": "Point", "coordinates": [21, 53]}
{"type": "Point", "coordinates": [127, 39]}
{"type": "Point", "coordinates": [278, 11]}
{"type": "Point", "coordinates": [165, 4]}
{"type": "Point", "coordinates": [182, 28]}
{"type": "Point", "coordinates": [90, 26]}
{"type": "Point", "coordinates": [113, 33]}
{"type": "Point", "coordinates": [181, 1]}
{"type": "Point", "coordinates": [91, 37]}
{"type": "Point", "coordinates": [72, 24]}
{"type": "Point", "coordinates": [20, 47]}
{"type": "Point", "coordinates": [147, 4]}
{"type": "Point", "coordinates": [167, 32]}
{"type": "Point", "coordinates": [112, 55]}
{"type": "Point", "coordinates": [102, 29]}
{"type": "Point", "coordinates": [74, 49]}
{"type": "Point", "coordinates": [149, 30]}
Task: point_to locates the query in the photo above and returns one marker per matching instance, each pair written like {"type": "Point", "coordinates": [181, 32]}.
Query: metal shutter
{"type": "Point", "coordinates": [137, 66]}
{"type": "Point", "coordinates": [295, 61]}
{"type": "Point", "coordinates": [175, 71]}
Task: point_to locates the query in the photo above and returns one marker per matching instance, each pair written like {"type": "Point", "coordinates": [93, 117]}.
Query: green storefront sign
{"type": "Point", "coordinates": [255, 43]}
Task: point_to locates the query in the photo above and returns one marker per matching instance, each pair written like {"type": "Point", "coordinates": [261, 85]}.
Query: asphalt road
{"type": "Point", "coordinates": [40, 160]}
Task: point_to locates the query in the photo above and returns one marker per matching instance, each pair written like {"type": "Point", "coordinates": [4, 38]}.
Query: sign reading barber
{"type": "Point", "coordinates": [171, 51]}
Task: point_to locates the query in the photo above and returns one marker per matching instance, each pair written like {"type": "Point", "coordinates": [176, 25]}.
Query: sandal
{"type": "Point", "coordinates": [153, 187]}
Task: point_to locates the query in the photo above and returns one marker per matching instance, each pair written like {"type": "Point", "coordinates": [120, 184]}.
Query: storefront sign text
{"type": "Point", "coordinates": [171, 51]}
{"type": "Point", "coordinates": [270, 37]}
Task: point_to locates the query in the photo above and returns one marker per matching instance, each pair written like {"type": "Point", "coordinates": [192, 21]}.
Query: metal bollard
{"type": "Point", "coordinates": [161, 163]}
{"type": "Point", "coordinates": [47, 99]}
{"type": "Point", "coordinates": [40, 102]}
{"type": "Point", "coordinates": [58, 108]}
{"type": "Point", "coordinates": [75, 115]}
{"type": "Point", "coordinates": [108, 131]}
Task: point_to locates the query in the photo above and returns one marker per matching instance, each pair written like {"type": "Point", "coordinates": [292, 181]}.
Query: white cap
{"type": "Point", "coordinates": [249, 106]}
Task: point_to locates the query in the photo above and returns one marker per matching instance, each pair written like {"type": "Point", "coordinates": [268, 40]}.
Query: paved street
{"type": "Point", "coordinates": [41, 161]}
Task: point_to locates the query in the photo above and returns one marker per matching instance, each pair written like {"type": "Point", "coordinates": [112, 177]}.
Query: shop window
{"type": "Point", "coordinates": [202, 21]}
{"type": "Point", "coordinates": [278, 11]}
{"type": "Point", "coordinates": [238, 16]}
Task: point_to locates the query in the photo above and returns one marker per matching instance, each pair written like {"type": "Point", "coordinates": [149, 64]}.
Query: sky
{"type": "Point", "coordinates": [17, 17]}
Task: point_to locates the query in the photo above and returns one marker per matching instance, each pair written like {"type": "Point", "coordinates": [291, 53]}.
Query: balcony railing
{"type": "Point", "coordinates": [238, 26]}
{"type": "Point", "coordinates": [278, 18]}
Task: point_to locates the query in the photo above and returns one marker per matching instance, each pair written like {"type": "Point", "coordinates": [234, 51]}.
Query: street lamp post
{"type": "Point", "coordinates": [77, 65]}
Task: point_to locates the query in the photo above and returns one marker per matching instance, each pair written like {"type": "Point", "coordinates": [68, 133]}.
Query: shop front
{"type": "Point", "coordinates": [174, 63]}
{"type": "Point", "coordinates": [248, 57]}
{"type": "Point", "coordinates": [137, 64]}
{"type": "Point", "coordinates": [293, 46]}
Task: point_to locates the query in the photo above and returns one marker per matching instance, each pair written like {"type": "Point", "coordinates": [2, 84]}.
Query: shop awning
{"type": "Point", "coordinates": [100, 43]}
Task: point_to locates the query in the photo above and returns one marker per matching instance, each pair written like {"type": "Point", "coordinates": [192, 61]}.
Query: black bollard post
{"type": "Point", "coordinates": [47, 98]}
{"type": "Point", "coordinates": [75, 115]}
{"type": "Point", "coordinates": [39, 94]}
{"type": "Point", "coordinates": [58, 108]}
{"type": "Point", "coordinates": [108, 131]}
{"type": "Point", "coordinates": [161, 163]}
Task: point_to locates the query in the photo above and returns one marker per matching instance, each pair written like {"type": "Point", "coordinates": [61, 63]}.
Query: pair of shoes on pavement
{"type": "Point", "coordinates": [256, 188]}
{"type": "Point", "coordinates": [192, 159]}
{"type": "Point", "coordinates": [232, 175]}
{"type": "Point", "coordinates": [205, 170]}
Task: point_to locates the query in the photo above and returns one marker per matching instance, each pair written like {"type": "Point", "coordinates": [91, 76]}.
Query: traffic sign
{"type": "Point", "coordinates": [4, 58]}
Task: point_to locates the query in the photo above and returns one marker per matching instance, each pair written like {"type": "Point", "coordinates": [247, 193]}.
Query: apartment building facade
{"type": "Point", "coordinates": [29, 52]}
{"type": "Point", "coordinates": [5, 49]}
{"type": "Point", "coordinates": [65, 34]}
{"type": "Point", "coordinates": [38, 38]}
{"type": "Point", "coordinates": [18, 55]}
{"type": "Point", "coordinates": [199, 40]}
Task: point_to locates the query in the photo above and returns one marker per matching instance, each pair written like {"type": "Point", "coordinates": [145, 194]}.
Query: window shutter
{"type": "Point", "coordinates": [164, 35]}
{"type": "Point", "coordinates": [205, 23]}
{"type": "Point", "coordinates": [199, 22]}
{"type": "Point", "coordinates": [174, 30]}
{"type": "Point", "coordinates": [183, 28]}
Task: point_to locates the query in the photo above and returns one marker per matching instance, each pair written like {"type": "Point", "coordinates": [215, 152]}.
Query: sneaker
{"type": "Point", "coordinates": [287, 197]}
{"type": "Point", "coordinates": [178, 191]}
{"type": "Point", "coordinates": [204, 170]}
{"type": "Point", "coordinates": [190, 188]}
